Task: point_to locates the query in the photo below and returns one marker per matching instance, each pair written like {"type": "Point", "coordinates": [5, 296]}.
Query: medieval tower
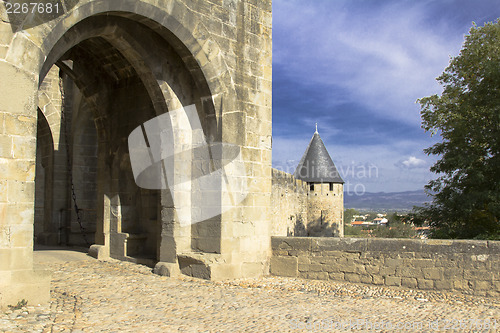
{"type": "Point", "coordinates": [311, 201]}
{"type": "Point", "coordinates": [325, 190]}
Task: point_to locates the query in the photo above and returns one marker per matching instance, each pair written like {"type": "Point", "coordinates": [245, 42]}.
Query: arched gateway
{"type": "Point", "coordinates": [191, 80]}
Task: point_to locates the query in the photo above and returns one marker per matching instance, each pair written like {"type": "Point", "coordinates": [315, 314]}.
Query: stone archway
{"type": "Point", "coordinates": [165, 54]}
{"type": "Point", "coordinates": [125, 83]}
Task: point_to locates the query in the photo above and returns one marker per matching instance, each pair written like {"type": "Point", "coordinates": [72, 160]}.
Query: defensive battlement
{"type": "Point", "coordinates": [288, 181]}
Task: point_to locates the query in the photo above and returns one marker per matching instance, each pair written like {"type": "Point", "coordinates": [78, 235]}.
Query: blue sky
{"type": "Point", "coordinates": [356, 68]}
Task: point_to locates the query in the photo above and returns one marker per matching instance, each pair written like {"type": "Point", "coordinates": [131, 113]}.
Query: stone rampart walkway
{"type": "Point", "coordinates": [112, 296]}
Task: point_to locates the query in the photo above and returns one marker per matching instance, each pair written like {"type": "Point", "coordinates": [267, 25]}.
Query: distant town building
{"type": "Point", "coordinates": [423, 232]}
{"type": "Point", "coordinates": [380, 220]}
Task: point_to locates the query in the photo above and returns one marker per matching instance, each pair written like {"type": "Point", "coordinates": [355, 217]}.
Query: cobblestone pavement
{"type": "Point", "coordinates": [112, 296]}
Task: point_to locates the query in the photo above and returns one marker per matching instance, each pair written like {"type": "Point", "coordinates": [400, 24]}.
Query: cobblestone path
{"type": "Point", "coordinates": [112, 296]}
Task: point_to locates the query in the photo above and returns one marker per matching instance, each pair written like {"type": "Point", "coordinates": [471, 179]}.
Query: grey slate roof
{"type": "Point", "coordinates": [316, 166]}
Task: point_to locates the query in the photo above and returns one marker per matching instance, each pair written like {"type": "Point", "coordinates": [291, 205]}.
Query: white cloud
{"type": "Point", "coordinates": [411, 163]}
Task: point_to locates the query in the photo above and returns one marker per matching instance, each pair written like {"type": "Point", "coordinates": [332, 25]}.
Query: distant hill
{"type": "Point", "coordinates": [381, 201]}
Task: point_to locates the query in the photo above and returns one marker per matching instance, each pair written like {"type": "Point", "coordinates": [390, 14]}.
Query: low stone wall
{"type": "Point", "coordinates": [466, 266]}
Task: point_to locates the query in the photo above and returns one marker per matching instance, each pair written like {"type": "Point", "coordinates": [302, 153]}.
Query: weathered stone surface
{"type": "Point", "coordinates": [120, 71]}
{"type": "Point", "coordinates": [377, 280]}
{"type": "Point", "coordinates": [98, 251]}
{"type": "Point", "coordinates": [451, 246]}
{"type": "Point", "coordinates": [472, 268]}
{"type": "Point", "coordinates": [289, 210]}
{"type": "Point", "coordinates": [299, 211]}
{"type": "Point", "coordinates": [163, 304]}
{"type": "Point", "coordinates": [446, 285]}
{"type": "Point", "coordinates": [402, 245]}
{"type": "Point", "coordinates": [387, 270]}
{"type": "Point", "coordinates": [30, 285]}
{"type": "Point", "coordinates": [409, 272]}
{"type": "Point", "coordinates": [314, 275]}
{"type": "Point", "coordinates": [284, 266]}
{"type": "Point", "coordinates": [432, 273]}
{"type": "Point", "coordinates": [352, 277]}
{"type": "Point", "coordinates": [409, 282]}
{"type": "Point", "coordinates": [425, 284]}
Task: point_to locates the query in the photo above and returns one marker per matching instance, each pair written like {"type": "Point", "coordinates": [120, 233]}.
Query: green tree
{"type": "Point", "coordinates": [348, 215]}
{"type": "Point", "coordinates": [370, 216]}
{"type": "Point", "coordinates": [398, 230]}
{"type": "Point", "coordinates": [394, 218]}
{"type": "Point", "coordinates": [397, 227]}
{"type": "Point", "coordinates": [352, 231]}
{"type": "Point", "coordinates": [466, 193]}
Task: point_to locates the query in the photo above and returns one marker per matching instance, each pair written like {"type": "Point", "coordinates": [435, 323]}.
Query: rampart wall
{"type": "Point", "coordinates": [466, 266]}
{"type": "Point", "coordinates": [289, 205]}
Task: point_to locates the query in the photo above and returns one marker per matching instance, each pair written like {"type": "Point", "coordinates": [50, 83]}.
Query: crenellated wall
{"type": "Point", "coordinates": [298, 210]}
{"type": "Point", "coordinates": [466, 266]}
{"type": "Point", "coordinates": [289, 205]}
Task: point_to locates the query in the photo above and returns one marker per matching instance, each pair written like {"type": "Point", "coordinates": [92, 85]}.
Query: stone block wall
{"type": "Point", "coordinates": [302, 209]}
{"type": "Point", "coordinates": [214, 54]}
{"type": "Point", "coordinates": [325, 210]}
{"type": "Point", "coordinates": [289, 205]}
{"type": "Point", "coordinates": [466, 266]}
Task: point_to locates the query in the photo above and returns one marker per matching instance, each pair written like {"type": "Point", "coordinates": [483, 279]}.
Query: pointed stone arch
{"type": "Point", "coordinates": [190, 39]}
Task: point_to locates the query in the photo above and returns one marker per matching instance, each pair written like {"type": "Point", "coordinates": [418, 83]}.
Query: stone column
{"type": "Point", "coordinates": [18, 279]}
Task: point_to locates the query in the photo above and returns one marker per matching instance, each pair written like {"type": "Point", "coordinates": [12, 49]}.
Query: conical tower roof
{"type": "Point", "coordinates": [316, 166]}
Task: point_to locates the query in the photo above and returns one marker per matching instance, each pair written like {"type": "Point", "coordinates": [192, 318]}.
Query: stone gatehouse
{"type": "Point", "coordinates": [77, 79]}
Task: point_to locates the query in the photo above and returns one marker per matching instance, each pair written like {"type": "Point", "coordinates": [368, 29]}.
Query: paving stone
{"type": "Point", "coordinates": [115, 296]}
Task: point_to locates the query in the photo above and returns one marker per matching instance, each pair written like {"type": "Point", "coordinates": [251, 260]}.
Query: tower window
{"type": "Point", "coordinates": [331, 186]}
{"type": "Point", "coordinates": [311, 187]}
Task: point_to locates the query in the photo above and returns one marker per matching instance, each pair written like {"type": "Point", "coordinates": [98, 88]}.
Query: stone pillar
{"type": "Point", "coordinates": [101, 248]}
{"type": "Point", "coordinates": [18, 279]}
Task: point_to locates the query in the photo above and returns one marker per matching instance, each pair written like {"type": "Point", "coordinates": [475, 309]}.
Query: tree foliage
{"type": "Point", "coordinates": [466, 115]}
{"type": "Point", "coordinates": [349, 214]}
{"type": "Point", "coordinates": [352, 231]}
{"type": "Point", "coordinates": [395, 230]}
{"type": "Point", "coordinates": [394, 218]}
